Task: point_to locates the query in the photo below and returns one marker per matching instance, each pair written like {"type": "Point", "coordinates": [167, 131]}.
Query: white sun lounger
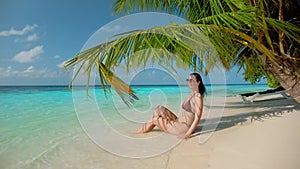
{"type": "Point", "coordinates": [249, 97]}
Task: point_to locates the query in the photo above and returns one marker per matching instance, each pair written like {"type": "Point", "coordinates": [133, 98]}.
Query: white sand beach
{"type": "Point", "coordinates": [260, 135]}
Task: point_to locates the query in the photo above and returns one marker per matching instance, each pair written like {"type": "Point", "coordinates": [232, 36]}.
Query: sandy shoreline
{"type": "Point", "coordinates": [261, 135]}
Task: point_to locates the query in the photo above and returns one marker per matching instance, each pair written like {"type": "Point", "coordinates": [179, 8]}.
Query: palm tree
{"type": "Point", "coordinates": [242, 32]}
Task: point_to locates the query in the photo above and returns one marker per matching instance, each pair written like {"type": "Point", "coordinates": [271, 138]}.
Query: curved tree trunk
{"type": "Point", "coordinates": [286, 73]}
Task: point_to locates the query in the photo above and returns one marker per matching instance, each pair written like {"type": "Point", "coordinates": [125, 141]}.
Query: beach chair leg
{"type": "Point", "coordinates": [244, 99]}
{"type": "Point", "coordinates": [253, 97]}
{"type": "Point", "coordinates": [284, 94]}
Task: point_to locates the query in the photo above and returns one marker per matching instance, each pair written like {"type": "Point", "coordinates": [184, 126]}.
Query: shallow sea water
{"type": "Point", "coordinates": [41, 126]}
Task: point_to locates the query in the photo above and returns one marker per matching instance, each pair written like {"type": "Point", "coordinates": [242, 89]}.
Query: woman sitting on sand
{"type": "Point", "coordinates": [184, 125]}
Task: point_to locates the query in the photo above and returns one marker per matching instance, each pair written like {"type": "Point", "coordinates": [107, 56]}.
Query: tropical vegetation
{"type": "Point", "coordinates": [260, 36]}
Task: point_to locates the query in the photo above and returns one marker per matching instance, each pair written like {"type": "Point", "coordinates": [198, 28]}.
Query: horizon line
{"type": "Point", "coordinates": [64, 85]}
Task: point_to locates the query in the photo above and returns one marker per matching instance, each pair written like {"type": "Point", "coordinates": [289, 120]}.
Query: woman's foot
{"type": "Point", "coordinates": [145, 128]}
{"type": "Point", "coordinates": [140, 131]}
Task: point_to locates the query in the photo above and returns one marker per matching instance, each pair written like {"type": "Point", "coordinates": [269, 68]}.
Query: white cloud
{"type": "Point", "coordinates": [112, 28]}
{"type": "Point", "coordinates": [7, 72]}
{"type": "Point", "coordinates": [28, 72]}
{"type": "Point", "coordinates": [30, 55]}
{"type": "Point", "coordinates": [18, 40]}
{"type": "Point", "coordinates": [33, 37]}
{"type": "Point", "coordinates": [56, 57]}
{"type": "Point", "coordinates": [12, 31]}
{"type": "Point", "coordinates": [29, 69]}
{"type": "Point", "coordinates": [9, 69]}
{"type": "Point", "coordinates": [61, 65]}
{"type": "Point", "coordinates": [153, 73]}
{"type": "Point", "coordinates": [30, 38]}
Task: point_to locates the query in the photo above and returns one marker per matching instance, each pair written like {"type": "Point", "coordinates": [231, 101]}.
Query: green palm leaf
{"type": "Point", "coordinates": [227, 25]}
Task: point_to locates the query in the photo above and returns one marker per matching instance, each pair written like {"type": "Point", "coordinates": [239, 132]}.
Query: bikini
{"type": "Point", "coordinates": [186, 107]}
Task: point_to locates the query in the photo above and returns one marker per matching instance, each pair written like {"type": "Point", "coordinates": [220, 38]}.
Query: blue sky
{"type": "Point", "coordinates": [36, 37]}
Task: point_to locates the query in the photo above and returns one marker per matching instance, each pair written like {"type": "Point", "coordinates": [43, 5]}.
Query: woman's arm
{"type": "Point", "coordinates": [198, 112]}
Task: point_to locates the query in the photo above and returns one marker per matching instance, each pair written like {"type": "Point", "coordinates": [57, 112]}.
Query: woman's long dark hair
{"type": "Point", "coordinates": [201, 87]}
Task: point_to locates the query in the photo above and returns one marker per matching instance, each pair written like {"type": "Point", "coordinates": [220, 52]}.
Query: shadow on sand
{"type": "Point", "coordinates": [257, 111]}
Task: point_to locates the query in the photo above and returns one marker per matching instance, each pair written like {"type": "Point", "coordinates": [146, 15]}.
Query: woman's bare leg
{"type": "Point", "coordinates": [146, 127]}
{"type": "Point", "coordinates": [160, 122]}
{"type": "Point", "coordinates": [161, 118]}
{"type": "Point", "coordinates": [161, 111]}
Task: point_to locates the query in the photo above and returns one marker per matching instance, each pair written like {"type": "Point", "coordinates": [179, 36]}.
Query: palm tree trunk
{"type": "Point", "coordinates": [286, 73]}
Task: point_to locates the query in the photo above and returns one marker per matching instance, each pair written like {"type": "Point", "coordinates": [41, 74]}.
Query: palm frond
{"type": "Point", "coordinates": [88, 60]}
{"type": "Point", "coordinates": [167, 46]}
{"type": "Point", "coordinates": [175, 7]}
{"type": "Point", "coordinates": [217, 31]}
{"type": "Point", "coordinates": [293, 31]}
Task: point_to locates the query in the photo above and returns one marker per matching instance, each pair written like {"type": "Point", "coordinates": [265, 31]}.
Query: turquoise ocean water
{"type": "Point", "coordinates": [37, 123]}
